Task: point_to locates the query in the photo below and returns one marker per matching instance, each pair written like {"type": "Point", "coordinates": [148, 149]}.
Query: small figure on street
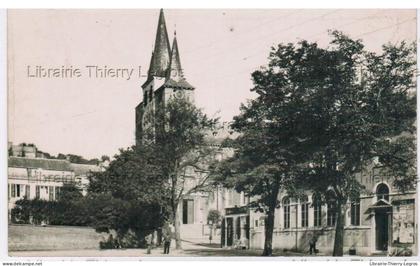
{"type": "Point", "coordinates": [312, 244]}
{"type": "Point", "coordinates": [167, 238]}
{"type": "Point", "coordinates": [149, 239]}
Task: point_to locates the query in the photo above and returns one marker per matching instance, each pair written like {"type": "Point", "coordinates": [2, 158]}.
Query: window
{"type": "Point", "coordinates": [51, 194]}
{"type": "Point", "coordinates": [331, 213]}
{"type": "Point", "coordinates": [28, 191]}
{"type": "Point", "coordinates": [145, 98]}
{"type": "Point", "coordinates": [317, 211]}
{"type": "Point", "coordinates": [229, 198]}
{"type": "Point", "coordinates": [13, 190]}
{"type": "Point", "coordinates": [286, 212]}
{"type": "Point", "coordinates": [17, 191]}
{"type": "Point", "coordinates": [243, 199]}
{"type": "Point", "coordinates": [355, 212]}
{"type": "Point", "coordinates": [382, 192]}
{"type": "Point", "coordinates": [304, 212]}
{"type": "Point", "coordinates": [187, 211]}
{"type": "Point", "coordinates": [57, 193]}
{"type": "Point", "coordinates": [37, 192]}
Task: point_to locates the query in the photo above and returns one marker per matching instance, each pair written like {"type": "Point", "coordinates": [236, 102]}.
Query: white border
{"type": "Point", "coordinates": [3, 133]}
{"type": "Point", "coordinates": [170, 4]}
{"type": "Point", "coordinates": [209, 4]}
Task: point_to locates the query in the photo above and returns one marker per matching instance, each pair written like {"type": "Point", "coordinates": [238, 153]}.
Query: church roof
{"type": "Point", "coordinates": [175, 70]}
{"type": "Point", "coordinates": [166, 62]}
{"type": "Point", "coordinates": [159, 62]}
{"type": "Point", "coordinates": [181, 84]}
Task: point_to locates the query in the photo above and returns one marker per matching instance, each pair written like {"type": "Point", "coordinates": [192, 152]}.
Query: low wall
{"type": "Point", "coordinates": [31, 237]}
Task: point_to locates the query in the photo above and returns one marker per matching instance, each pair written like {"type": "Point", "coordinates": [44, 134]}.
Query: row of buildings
{"type": "Point", "coordinates": [31, 175]}
{"type": "Point", "coordinates": [382, 220]}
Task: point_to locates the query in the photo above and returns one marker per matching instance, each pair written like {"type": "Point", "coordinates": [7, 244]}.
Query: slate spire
{"type": "Point", "coordinates": [175, 70]}
{"type": "Point", "coordinates": [161, 53]}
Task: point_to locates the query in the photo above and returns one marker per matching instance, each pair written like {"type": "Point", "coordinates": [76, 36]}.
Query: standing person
{"type": "Point", "coordinates": [148, 239]}
{"type": "Point", "coordinates": [167, 237]}
{"type": "Point", "coordinates": [312, 244]}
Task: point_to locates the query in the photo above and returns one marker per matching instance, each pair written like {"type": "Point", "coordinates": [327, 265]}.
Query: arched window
{"type": "Point", "coordinates": [286, 212]}
{"type": "Point", "coordinates": [382, 192]}
{"type": "Point", "coordinates": [331, 210]}
{"type": "Point", "coordinates": [317, 210]}
{"type": "Point", "coordinates": [304, 211]}
{"type": "Point", "coordinates": [331, 213]}
{"type": "Point", "coordinates": [355, 212]}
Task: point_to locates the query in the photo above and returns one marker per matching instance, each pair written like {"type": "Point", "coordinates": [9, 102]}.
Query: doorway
{"type": "Point", "coordinates": [381, 230]}
{"type": "Point", "coordinates": [229, 232]}
{"type": "Point", "coordinates": [188, 211]}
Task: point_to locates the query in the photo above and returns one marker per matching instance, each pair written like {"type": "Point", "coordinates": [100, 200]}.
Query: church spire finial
{"type": "Point", "coordinates": [161, 52]}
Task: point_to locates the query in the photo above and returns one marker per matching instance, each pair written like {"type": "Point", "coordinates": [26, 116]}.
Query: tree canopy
{"type": "Point", "coordinates": [131, 195]}
{"type": "Point", "coordinates": [321, 116]}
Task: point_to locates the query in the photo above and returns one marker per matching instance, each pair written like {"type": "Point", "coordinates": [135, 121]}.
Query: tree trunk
{"type": "Point", "coordinates": [177, 228]}
{"type": "Point", "coordinates": [268, 230]}
{"type": "Point", "coordinates": [339, 231]}
{"type": "Point", "coordinates": [269, 222]}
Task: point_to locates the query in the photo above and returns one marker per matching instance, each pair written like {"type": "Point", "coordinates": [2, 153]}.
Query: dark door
{"type": "Point", "coordinates": [229, 233]}
{"type": "Point", "coordinates": [247, 228]}
{"type": "Point", "coordinates": [188, 211]}
{"type": "Point", "coordinates": [223, 233]}
{"type": "Point", "coordinates": [238, 227]}
{"type": "Point", "coordinates": [381, 220]}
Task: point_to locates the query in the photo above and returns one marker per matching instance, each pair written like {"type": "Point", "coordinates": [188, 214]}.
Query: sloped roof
{"type": "Point", "coordinates": [48, 164]}
{"type": "Point", "coordinates": [161, 55]}
{"type": "Point", "coordinates": [175, 70]}
{"type": "Point", "coordinates": [181, 84]}
{"type": "Point", "coordinates": [83, 169]}
{"type": "Point", "coordinates": [380, 204]}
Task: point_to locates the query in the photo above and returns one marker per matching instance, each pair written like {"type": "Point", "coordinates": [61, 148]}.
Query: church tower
{"type": "Point", "coordinates": [165, 79]}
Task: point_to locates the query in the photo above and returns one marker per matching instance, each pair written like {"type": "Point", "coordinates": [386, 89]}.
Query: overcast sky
{"type": "Point", "coordinates": [219, 49]}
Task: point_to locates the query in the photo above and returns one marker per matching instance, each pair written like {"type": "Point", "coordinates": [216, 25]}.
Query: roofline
{"type": "Point", "coordinates": [39, 158]}
{"type": "Point", "coordinates": [164, 86]}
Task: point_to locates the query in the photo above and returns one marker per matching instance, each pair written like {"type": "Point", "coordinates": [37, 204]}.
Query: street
{"type": "Point", "coordinates": [189, 249]}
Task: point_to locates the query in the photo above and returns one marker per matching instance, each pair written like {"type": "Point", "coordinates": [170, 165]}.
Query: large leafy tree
{"type": "Point", "coordinates": [183, 154]}
{"type": "Point", "coordinates": [361, 108]}
{"type": "Point", "coordinates": [321, 116]}
{"type": "Point", "coordinates": [269, 155]}
{"type": "Point", "coordinates": [130, 196]}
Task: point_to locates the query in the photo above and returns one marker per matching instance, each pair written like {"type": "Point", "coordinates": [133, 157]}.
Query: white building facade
{"type": "Point", "coordinates": [36, 178]}
{"type": "Point", "coordinates": [382, 221]}
{"type": "Point", "coordinates": [40, 178]}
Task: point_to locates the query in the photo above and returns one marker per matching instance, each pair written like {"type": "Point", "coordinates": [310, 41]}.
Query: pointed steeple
{"type": "Point", "coordinates": [161, 53]}
{"type": "Point", "coordinates": [175, 70]}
